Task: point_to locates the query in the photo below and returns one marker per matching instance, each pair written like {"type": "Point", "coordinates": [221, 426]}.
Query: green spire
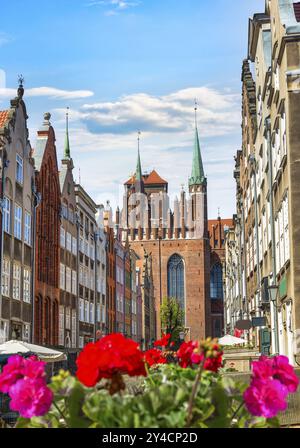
{"type": "Point", "coordinates": [138, 172]}
{"type": "Point", "coordinates": [67, 152]}
{"type": "Point", "coordinates": [197, 176]}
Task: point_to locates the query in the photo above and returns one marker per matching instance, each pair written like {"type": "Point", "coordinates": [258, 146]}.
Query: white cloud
{"type": "Point", "coordinates": [115, 6]}
{"type": "Point", "coordinates": [50, 92]}
{"type": "Point", "coordinates": [103, 139]}
{"type": "Point", "coordinates": [218, 113]}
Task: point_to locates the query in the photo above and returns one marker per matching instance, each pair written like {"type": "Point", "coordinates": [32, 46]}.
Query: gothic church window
{"type": "Point", "coordinates": [176, 279]}
{"type": "Point", "coordinates": [216, 282]}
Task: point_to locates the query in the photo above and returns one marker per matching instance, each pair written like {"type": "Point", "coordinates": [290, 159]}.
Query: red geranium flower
{"type": "Point", "coordinates": [163, 342]}
{"type": "Point", "coordinates": [111, 355]}
{"type": "Point", "coordinates": [185, 353]}
{"type": "Point", "coordinates": [154, 356]}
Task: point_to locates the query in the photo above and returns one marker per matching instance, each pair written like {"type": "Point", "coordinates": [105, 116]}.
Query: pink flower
{"type": "Point", "coordinates": [263, 368]}
{"type": "Point", "coordinates": [265, 398]}
{"type": "Point", "coordinates": [18, 368]}
{"type": "Point", "coordinates": [30, 397]}
{"type": "Point", "coordinates": [284, 372]}
{"type": "Point", "coordinates": [12, 372]}
{"type": "Point", "coordinates": [34, 368]}
{"type": "Point", "coordinates": [277, 368]}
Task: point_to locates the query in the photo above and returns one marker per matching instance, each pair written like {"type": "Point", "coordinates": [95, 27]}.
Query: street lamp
{"type": "Point", "coordinates": [182, 336]}
{"type": "Point", "coordinates": [273, 291]}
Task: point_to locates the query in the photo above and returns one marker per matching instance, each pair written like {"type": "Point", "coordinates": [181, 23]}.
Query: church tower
{"type": "Point", "coordinates": [179, 251]}
{"type": "Point", "coordinates": [198, 185]}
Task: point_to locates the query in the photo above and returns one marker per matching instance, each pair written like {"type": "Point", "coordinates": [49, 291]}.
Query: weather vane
{"type": "Point", "coordinates": [21, 80]}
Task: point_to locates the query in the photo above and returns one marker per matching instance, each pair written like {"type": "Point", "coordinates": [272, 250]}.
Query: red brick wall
{"type": "Point", "coordinates": [47, 248]}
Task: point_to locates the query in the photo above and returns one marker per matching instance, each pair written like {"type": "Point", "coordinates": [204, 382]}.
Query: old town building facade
{"type": "Point", "coordinates": [47, 252]}
{"type": "Point", "coordinates": [266, 233]}
{"type": "Point", "coordinates": [17, 211]}
{"type": "Point", "coordinates": [68, 304]}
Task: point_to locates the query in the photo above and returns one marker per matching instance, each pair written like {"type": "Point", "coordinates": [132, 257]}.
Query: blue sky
{"type": "Point", "coordinates": [124, 65]}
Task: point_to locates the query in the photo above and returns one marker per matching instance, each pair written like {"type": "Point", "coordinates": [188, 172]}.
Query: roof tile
{"type": "Point", "coordinates": [154, 178]}
{"type": "Point", "coordinates": [3, 117]}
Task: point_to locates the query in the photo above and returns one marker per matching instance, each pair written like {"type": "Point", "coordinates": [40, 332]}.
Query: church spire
{"type": "Point", "coordinates": [197, 176]}
{"type": "Point", "coordinates": [67, 152]}
{"type": "Point", "coordinates": [138, 172]}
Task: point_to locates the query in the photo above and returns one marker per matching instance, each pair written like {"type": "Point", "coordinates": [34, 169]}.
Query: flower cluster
{"type": "Point", "coordinates": [154, 356]}
{"type": "Point", "coordinates": [207, 352]}
{"type": "Point", "coordinates": [24, 381]}
{"type": "Point", "coordinates": [271, 382]}
{"type": "Point", "coordinates": [108, 358]}
{"type": "Point", "coordinates": [164, 341]}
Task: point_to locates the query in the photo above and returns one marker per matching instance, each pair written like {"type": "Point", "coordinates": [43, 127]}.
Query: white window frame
{"type": "Point", "coordinates": [74, 282]}
{"type": "Point", "coordinates": [6, 215]}
{"type": "Point", "coordinates": [16, 281]}
{"type": "Point", "coordinates": [74, 246]}
{"type": "Point", "coordinates": [27, 228]}
{"type": "Point", "coordinates": [62, 276]}
{"type": "Point", "coordinates": [62, 237]}
{"type": "Point", "coordinates": [69, 242]}
{"type": "Point", "coordinates": [18, 222]}
{"type": "Point", "coordinates": [27, 285]}
{"type": "Point", "coordinates": [6, 264]}
{"type": "Point", "coordinates": [19, 169]}
{"type": "Point", "coordinates": [68, 279]}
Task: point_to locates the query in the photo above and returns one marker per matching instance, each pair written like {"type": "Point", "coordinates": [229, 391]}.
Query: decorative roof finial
{"type": "Point", "coordinates": [138, 172]}
{"type": "Point", "coordinates": [21, 81]}
{"type": "Point", "coordinates": [67, 152]}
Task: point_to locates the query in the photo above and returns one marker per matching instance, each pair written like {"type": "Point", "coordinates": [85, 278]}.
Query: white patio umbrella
{"type": "Point", "coordinates": [44, 353]}
{"type": "Point", "coordinates": [231, 340]}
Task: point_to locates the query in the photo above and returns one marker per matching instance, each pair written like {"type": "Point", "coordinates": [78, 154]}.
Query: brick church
{"type": "Point", "coordinates": [187, 249]}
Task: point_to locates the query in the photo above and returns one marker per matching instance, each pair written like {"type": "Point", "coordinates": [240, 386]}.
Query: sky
{"type": "Point", "coordinates": [128, 65]}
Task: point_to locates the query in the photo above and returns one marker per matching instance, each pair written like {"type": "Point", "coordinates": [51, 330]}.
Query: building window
{"type": "Point", "coordinates": [27, 228]}
{"type": "Point", "coordinates": [6, 277]}
{"type": "Point", "coordinates": [6, 214]}
{"type": "Point", "coordinates": [18, 222]}
{"type": "Point", "coordinates": [19, 169]}
{"type": "Point", "coordinates": [61, 329]}
{"type": "Point", "coordinates": [216, 282]}
{"type": "Point", "coordinates": [81, 310]}
{"type": "Point", "coordinates": [68, 318]}
{"type": "Point", "coordinates": [26, 332]}
{"type": "Point", "coordinates": [217, 328]}
{"type": "Point", "coordinates": [74, 282]}
{"type": "Point", "coordinates": [16, 281]}
{"type": "Point", "coordinates": [74, 328]}
{"type": "Point", "coordinates": [92, 317]}
{"type": "Point", "coordinates": [176, 285]}
{"type": "Point", "coordinates": [26, 285]}
{"type": "Point", "coordinates": [64, 209]}
{"type": "Point", "coordinates": [81, 341]}
{"type": "Point", "coordinates": [62, 237]}
{"type": "Point", "coordinates": [62, 276]}
{"type": "Point", "coordinates": [86, 311]}
{"type": "Point", "coordinates": [4, 331]}
{"type": "Point", "coordinates": [74, 246]}
{"type": "Point", "coordinates": [69, 242]}
{"type": "Point", "coordinates": [68, 279]}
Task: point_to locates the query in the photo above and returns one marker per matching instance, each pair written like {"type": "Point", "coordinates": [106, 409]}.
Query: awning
{"type": "Point", "coordinates": [20, 347]}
